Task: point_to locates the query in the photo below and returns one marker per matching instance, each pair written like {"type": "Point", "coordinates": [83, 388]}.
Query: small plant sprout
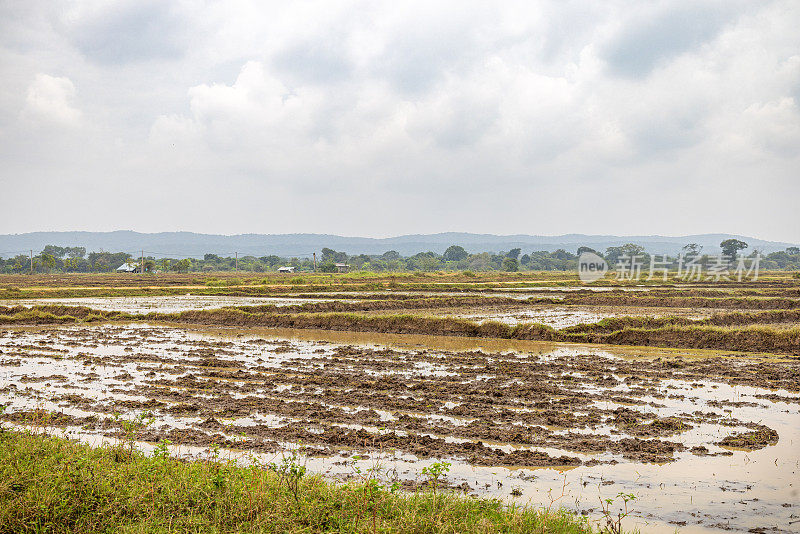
{"type": "Point", "coordinates": [162, 449]}
{"type": "Point", "coordinates": [290, 472]}
{"type": "Point", "coordinates": [614, 524]}
{"type": "Point", "coordinates": [131, 428]}
{"type": "Point", "coordinates": [435, 473]}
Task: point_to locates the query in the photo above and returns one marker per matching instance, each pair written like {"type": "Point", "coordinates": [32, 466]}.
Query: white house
{"type": "Point", "coordinates": [286, 269]}
{"type": "Point", "coordinates": [128, 267]}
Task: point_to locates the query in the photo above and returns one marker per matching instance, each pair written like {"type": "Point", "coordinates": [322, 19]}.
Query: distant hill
{"type": "Point", "coordinates": [188, 244]}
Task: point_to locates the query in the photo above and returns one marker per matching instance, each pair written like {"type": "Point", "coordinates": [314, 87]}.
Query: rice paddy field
{"type": "Point", "coordinates": [531, 389]}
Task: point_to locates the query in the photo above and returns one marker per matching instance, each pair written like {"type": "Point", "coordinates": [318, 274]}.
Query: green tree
{"type": "Point", "coordinates": [691, 250]}
{"type": "Point", "coordinates": [454, 253]}
{"type": "Point", "coordinates": [328, 254]}
{"type": "Point", "coordinates": [731, 247]}
{"type": "Point", "coordinates": [480, 262]}
{"type": "Point", "coordinates": [57, 252]}
{"type": "Point", "coordinates": [183, 265]}
{"type": "Point", "coordinates": [76, 252]}
{"type": "Point", "coordinates": [510, 265]}
{"type": "Point", "coordinates": [48, 262]}
{"type": "Point", "coordinates": [562, 254]}
{"type": "Point", "coordinates": [629, 250]}
{"type": "Point", "coordinates": [513, 253]}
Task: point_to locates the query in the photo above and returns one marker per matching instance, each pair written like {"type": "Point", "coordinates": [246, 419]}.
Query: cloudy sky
{"type": "Point", "coordinates": [386, 118]}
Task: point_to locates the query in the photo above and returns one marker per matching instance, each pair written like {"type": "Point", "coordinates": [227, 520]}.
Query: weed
{"type": "Point", "coordinates": [614, 524]}
{"type": "Point", "coordinates": [290, 472]}
{"type": "Point", "coordinates": [162, 449]}
{"type": "Point", "coordinates": [132, 428]}
{"type": "Point", "coordinates": [436, 473]}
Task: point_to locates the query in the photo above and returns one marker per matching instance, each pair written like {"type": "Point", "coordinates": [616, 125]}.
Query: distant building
{"type": "Point", "coordinates": [342, 267]}
{"type": "Point", "coordinates": [286, 269]}
{"type": "Point", "coordinates": [128, 267]}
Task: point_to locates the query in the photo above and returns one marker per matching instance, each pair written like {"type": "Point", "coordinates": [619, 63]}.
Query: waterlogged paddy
{"type": "Point", "coordinates": [705, 443]}
{"type": "Point", "coordinates": [564, 316]}
{"type": "Point", "coordinates": [161, 304]}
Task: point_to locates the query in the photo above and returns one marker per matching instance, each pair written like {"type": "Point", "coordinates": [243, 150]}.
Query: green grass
{"type": "Point", "coordinates": [55, 485]}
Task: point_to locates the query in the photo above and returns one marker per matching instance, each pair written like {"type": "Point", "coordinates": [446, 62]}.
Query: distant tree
{"type": "Point", "coordinates": [428, 263]}
{"type": "Point", "coordinates": [390, 255]}
{"type": "Point", "coordinates": [513, 253]}
{"type": "Point", "coordinates": [210, 257]}
{"type": "Point", "coordinates": [731, 247]}
{"type": "Point", "coordinates": [20, 263]}
{"type": "Point", "coordinates": [510, 264]}
{"type": "Point", "coordinates": [272, 260]}
{"type": "Point", "coordinates": [56, 252]}
{"type": "Point", "coordinates": [70, 264]}
{"type": "Point", "coordinates": [480, 262]}
{"type": "Point", "coordinates": [328, 254]}
{"type": "Point", "coordinates": [76, 252]}
{"type": "Point", "coordinates": [376, 265]}
{"type": "Point", "coordinates": [781, 259]}
{"type": "Point", "coordinates": [358, 262]}
{"type": "Point", "coordinates": [629, 249]}
{"type": "Point", "coordinates": [692, 249]}
{"type": "Point", "coordinates": [101, 265]}
{"type": "Point", "coordinates": [48, 262]}
{"type": "Point", "coordinates": [455, 253]}
{"type": "Point", "coordinates": [183, 265]}
{"type": "Point", "coordinates": [792, 250]}
{"type": "Point", "coordinates": [394, 265]}
{"type": "Point", "coordinates": [562, 254]}
{"type": "Point", "coordinates": [581, 250]}
{"type": "Point", "coordinates": [525, 259]}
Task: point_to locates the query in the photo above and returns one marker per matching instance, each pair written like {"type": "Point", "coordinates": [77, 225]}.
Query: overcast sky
{"type": "Point", "coordinates": [387, 118]}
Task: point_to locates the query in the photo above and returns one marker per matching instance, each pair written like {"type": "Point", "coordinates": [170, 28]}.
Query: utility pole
{"type": "Point", "coordinates": [315, 261]}
{"type": "Point", "coordinates": [237, 262]}
{"type": "Point", "coordinates": [142, 262]}
{"type": "Point", "coordinates": [31, 261]}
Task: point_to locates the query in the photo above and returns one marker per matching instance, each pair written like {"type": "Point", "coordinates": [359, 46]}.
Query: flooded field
{"type": "Point", "coordinates": [162, 304]}
{"type": "Point", "coordinates": [565, 316]}
{"type": "Point", "coordinates": [706, 441]}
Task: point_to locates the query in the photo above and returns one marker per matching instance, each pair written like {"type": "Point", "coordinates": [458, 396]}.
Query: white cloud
{"type": "Point", "coordinates": [50, 99]}
{"type": "Point", "coordinates": [528, 113]}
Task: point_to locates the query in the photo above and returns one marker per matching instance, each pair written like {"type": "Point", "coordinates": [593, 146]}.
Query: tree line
{"type": "Point", "coordinates": [53, 259]}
